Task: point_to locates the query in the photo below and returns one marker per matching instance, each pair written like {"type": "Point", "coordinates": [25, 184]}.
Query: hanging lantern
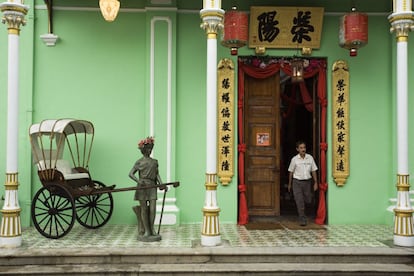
{"type": "Point", "coordinates": [297, 70]}
{"type": "Point", "coordinates": [353, 31]}
{"type": "Point", "coordinates": [235, 33]}
{"type": "Point", "coordinates": [109, 9]}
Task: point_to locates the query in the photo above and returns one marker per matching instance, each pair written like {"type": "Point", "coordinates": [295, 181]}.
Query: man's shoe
{"type": "Point", "coordinates": [303, 221]}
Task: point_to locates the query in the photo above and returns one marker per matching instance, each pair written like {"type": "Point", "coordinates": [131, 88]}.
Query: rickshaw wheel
{"type": "Point", "coordinates": [53, 211]}
{"type": "Point", "coordinates": [94, 211]}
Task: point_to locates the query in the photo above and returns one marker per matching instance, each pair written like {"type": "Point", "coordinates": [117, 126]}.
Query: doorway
{"type": "Point", "coordinates": [300, 121]}
{"type": "Point", "coordinates": [276, 114]}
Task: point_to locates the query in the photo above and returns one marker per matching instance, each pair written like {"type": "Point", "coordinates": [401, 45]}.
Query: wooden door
{"type": "Point", "coordinates": [262, 137]}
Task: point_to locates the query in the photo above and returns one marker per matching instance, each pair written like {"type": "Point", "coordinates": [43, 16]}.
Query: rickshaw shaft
{"type": "Point", "coordinates": [161, 187]}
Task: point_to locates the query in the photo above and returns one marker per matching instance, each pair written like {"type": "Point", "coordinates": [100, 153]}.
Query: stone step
{"type": "Point", "coordinates": [64, 260]}
{"type": "Point", "coordinates": [211, 261]}
{"type": "Point", "coordinates": [202, 255]}
{"type": "Point", "coordinates": [213, 269]}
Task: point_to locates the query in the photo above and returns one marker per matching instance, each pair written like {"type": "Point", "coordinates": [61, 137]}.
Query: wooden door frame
{"type": "Point", "coordinates": [250, 64]}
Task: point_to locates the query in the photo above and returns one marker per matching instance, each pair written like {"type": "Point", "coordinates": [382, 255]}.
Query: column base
{"type": "Point", "coordinates": [403, 228]}
{"type": "Point", "coordinates": [11, 242]}
{"type": "Point", "coordinates": [406, 241]}
{"type": "Point", "coordinates": [210, 240]}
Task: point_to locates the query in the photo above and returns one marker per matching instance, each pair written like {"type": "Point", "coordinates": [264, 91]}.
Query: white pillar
{"type": "Point", "coordinates": [10, 231]}
{"type": "Point", "coordinates": [402, 22]}
{"type": "Point", "coordinates": [212, 16]}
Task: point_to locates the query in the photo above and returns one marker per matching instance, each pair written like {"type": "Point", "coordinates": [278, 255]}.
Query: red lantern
{"type": "Point", "coordinates": [235, 33]}
{"type": "Point", "coordinates": [353, 31]}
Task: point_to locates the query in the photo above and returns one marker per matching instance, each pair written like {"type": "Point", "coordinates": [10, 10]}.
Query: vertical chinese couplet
{"type": "Point", "coordinates": [225, 90]}
{"type": "Point", "coordinates": [340, 122]}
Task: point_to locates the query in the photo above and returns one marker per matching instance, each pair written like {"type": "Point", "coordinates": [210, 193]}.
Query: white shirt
{"type": "Point", "coordinates": [302, 167]}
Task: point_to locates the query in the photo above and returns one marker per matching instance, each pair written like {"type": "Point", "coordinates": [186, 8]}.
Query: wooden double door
{"type": "Point", "coordinates": [262, 138]}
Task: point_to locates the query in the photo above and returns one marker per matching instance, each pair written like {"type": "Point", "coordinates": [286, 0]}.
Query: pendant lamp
{"type": "Point", "coordinates": [297, 69]}
{"type": "Point", "coordinates": [353, 31]}
{"type": "Point", "coordinates": [109, 9]}
{"type": "Point", "coordinates": [236, 30]}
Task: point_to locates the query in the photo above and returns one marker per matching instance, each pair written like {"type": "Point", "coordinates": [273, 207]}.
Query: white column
{"type": "Point", "coordinates": [402, 108]}
{"type": "Point", "coordinates": [10, 231]}
{"type": "Point", "coordinates": [402, 22]}
{"type": "Point", "coordinates": [212, 16]}
{"type": "Point", "coordinates": [12, 103]}
{"type": "Point", "coordinates": [211, 98]}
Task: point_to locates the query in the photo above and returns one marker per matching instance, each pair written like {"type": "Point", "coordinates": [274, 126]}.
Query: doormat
{"type": "Point", "coordinates": [294, 225]}
{"type": "Point", "coordinates": [263, 226]}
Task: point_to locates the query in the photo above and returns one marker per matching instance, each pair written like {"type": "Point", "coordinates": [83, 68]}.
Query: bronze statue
{"type": "Point", "coordinates": [147, 169]}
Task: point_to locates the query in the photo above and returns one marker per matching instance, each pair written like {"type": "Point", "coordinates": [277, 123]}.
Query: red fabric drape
{"type": "Point", "coordinates": [261, 73]}
{"type": "Point", "coordinates": [307, 99]}
{"type": "Point", "coordinates": [323, 186]}
{"type": "Point", "coordinates": [243, 212]}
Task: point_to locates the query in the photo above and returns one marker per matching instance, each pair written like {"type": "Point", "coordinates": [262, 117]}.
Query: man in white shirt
{"type": "Point", "coordinates": [302, 169]}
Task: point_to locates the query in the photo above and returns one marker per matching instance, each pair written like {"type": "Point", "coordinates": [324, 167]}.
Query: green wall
{"type": "Point", "coordinates": [191, 125]}
{"type": "Point", "coordinates": [98, 71]}
{"type": "Point", "coordinates": [365, 196]}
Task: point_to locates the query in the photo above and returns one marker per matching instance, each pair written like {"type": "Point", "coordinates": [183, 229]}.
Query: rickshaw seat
{"type": "Point", "coordinates": [64, 167]}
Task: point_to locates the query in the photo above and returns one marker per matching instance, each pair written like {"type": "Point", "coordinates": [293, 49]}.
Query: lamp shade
{"type": "Point", "coordinates": [297, 70]}
{"type": "Point", "coordinates": [235, 32]}
{"type": "Point", "coordinates": [109, 9]}
{"type": "Point", "coordinates": [353, 31]}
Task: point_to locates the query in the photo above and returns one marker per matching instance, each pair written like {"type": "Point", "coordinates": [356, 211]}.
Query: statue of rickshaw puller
{"type": "Point", "coordinates": [147, 169]}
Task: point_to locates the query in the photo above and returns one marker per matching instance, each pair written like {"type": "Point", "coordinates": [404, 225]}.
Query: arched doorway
{"type": "Point", "coordinates": [273, 114]}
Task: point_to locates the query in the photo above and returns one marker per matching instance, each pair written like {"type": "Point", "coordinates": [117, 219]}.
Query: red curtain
{"type": "Point", "coordinates": [323, 185]}
{"type": "Point", "coordinates": [261, 72]}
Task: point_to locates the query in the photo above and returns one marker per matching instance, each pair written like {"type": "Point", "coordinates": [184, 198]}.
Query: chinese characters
{"type": "Point", "coordinates": [225, 120]}
{"type": "Point", "coordinates": [340, 122]}
{"type": "Point", "coordinates": [285, 27]}
{"type": "Point", "coordinates": [302, 27]}
{"type": "Point", "coordinates": [267, 26]}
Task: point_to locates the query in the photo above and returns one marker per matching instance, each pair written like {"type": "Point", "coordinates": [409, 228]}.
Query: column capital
{"type": "Point", "coordinates": [401, 23]}
{"type": "Point", "coordinates": [212, 22]}
{"type": "Point", "coordinates": [14, 14]}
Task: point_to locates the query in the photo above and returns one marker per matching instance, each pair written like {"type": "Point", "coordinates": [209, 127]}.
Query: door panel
{"type": "Point", "coordinates": [262, 136]}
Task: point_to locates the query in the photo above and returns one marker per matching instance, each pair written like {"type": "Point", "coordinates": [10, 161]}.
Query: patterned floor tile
{"type": "Point", "coordinates": [121, 236]}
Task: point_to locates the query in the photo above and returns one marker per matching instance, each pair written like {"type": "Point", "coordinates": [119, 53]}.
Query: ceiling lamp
{"type": "Point", "coordinates": [297, 69]}
{"type": "Point", "coordinates": [235, 32]}
{"type": "Point", "coordinates": [353, 31]}
{"type": "Point", "coordinates": [109, 9]}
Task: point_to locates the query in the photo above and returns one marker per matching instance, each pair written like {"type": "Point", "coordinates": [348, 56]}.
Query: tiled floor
{"type": "Point", "coordinates": [124, 236]}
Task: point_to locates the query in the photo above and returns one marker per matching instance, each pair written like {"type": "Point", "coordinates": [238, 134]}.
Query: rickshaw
{"type": "Point", "coordinates": [61, 151]}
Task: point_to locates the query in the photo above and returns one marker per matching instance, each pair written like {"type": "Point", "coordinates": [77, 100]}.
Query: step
{"type": "Point", "coordinates": [213, 269]}
{"type": "Point", "coordinates": [203, 255]}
